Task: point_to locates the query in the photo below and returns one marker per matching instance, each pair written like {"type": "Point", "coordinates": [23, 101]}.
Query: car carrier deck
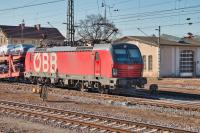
{"type": "Point", "coordinates": [11, 66]}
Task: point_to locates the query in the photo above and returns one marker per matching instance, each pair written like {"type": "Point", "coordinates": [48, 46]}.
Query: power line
{"type": "Point", "coordinates": [170, 25]}
{"type": "Point", "coordinates": [31, 5]}
{"type": "Point", "coordinates": [122, 2]}
{"type": "Point", "coordinates": [159, 11]}
{"type": "Point", "coordinates": [130, 19]}
{"type": "Point", "coordinates": [167, 25]}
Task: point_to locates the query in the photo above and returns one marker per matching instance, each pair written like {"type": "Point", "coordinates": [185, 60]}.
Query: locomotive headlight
{"type": "Point", "coordinates": [114, 71]}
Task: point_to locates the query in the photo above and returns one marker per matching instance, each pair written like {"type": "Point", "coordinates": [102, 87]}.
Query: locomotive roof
{"type": "Point", "coordinates": [72, 49]}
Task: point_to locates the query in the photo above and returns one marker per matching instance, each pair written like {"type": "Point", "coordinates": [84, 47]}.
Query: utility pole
{"type": "Point", "coordinates": [105, 16]}
{"type": "Point", "coordinates": [159, 54]}
{"type": "Point", "coordinates": [22, 30]}
{"type": "Point", "coordinates": [159, 35]}
{"type": "Point", "coordinates": [105, 10]}
{"type": "Point", "coordinates": [70, 23]}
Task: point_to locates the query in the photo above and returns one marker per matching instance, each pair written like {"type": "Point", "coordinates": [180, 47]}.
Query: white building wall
{"type": "Point", "coordinates": [170, 60]}
{"type": "Point", "coordinates": [177, 53]}
{"type": "Point", "coordinates": [173, 61]}
{"type": "Point", "coordinates": [167, 67]}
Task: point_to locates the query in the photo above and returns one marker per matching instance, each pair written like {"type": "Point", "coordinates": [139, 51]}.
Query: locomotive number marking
{"type": "Point", "coordinates": [44, 62]}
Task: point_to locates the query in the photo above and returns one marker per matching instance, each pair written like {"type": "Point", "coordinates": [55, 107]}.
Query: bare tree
{"type": "Point", "coordinates": [94, 30]}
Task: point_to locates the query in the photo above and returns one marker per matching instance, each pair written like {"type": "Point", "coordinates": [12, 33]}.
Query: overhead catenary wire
{"type": "Point", "coordinates": [144, 14]}
{"type": "Point", "coordinates": [157, 12]}
{"type": "Point", "coordinates": [30, 5]}
{"type": "Point", "coordinates": [166, 25]}
{"type": "Point", "coordinates": [151, 15]}
{"type": "Point", "coordinates": [156, 17]}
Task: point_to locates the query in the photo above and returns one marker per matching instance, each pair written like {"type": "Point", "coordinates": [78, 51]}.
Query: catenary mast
{"type": "Point", "coordinates": [70, 23]}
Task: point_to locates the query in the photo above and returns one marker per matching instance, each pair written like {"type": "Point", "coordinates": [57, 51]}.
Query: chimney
{"type": "Point", "coordinates": [38, 27]}
{"type": "Point", "coordinates": [22, 25]}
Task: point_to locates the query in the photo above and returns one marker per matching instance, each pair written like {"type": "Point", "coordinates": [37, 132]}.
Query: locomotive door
{"type": "Point", "coordinates": [97, 65]}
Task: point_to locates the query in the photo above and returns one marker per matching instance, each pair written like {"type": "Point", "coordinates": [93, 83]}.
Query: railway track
{"type": "Point", "coordinates": [187, 106]}
{"type": "Point", "coordinates": [82, 121]}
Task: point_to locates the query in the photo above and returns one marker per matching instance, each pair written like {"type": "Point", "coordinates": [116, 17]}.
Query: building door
{"type": "Point", "coordinates": [97, 67]}
{"type": "Point", "coordinates": [187, 65]}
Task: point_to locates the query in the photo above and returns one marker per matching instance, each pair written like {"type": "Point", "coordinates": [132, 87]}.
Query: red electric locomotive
{"type": "Point", "coordinates": [104, 67]}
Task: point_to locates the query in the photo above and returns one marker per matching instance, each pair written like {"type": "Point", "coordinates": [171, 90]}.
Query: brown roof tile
{"type": "Point", "coordinates": [153, 40]}
{"type": "Point", "coordinates": [31, 32]}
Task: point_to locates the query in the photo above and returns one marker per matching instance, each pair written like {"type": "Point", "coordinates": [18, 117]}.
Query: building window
{"type": "Point", "coordinates": [150, 63]}
{"type": "Point", "coordinates": [4, 40]}
{"type": "Point", "coordinates": [33, 41]}
{"type": "Point", "coordinates": [15, 41]}
{"type": "Point", "coordinates": [186, 61]}
{"type": "Point", "coordinates": [144, 61]}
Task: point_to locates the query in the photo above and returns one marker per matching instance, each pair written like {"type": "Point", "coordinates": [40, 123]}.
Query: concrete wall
{"type": "Point", "coordinates": [147, 50]}
{"type": "Point", "coordinates": [4, 40]}
{"type": "Point", "coordinates": [23, 41]}
{"type": "Point", "coordinates": [168, 61]}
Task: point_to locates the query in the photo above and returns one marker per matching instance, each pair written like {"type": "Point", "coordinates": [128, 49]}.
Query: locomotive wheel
{"type": "Point", "coordinates": [101, 90]}
{"type": "Point", "coordinates": [153, 89]}
{"type": "Point", "coordinates": [106, 91]}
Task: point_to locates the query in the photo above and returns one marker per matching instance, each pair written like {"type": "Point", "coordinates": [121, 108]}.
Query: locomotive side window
{"type": "Point", "coordinates": [97, 56]}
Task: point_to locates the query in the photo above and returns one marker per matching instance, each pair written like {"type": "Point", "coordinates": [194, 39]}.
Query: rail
{"type": "Point", "coordinates": [79, 120]}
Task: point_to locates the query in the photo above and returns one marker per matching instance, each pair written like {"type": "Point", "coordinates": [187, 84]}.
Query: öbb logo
{"type": "Point", "coordinates": [45, 62]}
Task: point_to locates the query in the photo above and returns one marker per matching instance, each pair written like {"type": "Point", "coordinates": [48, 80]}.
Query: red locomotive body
{"type": "Point", "coordinates": [103, 67]}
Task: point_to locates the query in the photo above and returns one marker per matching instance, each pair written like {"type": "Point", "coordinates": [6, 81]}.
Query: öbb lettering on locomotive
{"type": "Point", "coordinates": [45, 62]}
{"type": "Point", "coordinates": [103, 67]}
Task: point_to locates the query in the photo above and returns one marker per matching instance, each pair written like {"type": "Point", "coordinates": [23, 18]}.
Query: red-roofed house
{"type": "Point", "coordinates": [28, 35]}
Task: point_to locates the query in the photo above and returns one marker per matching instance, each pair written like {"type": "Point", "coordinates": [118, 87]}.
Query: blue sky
{"type": "Point", "coordinates": [147, 15]}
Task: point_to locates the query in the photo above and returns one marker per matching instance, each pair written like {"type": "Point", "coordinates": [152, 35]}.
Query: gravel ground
{"type": "Point", "coordinates": [188, 85]}
{"type": "Point", "coordinates": [101, 107]}
{"type": "Point", "coordinates": [11, 125]}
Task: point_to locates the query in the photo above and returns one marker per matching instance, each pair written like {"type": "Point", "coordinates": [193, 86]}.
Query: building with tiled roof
{"type": "Point", "coordinates": [167, 58]}
{"type": "Point", "coordinates": [28, 35]}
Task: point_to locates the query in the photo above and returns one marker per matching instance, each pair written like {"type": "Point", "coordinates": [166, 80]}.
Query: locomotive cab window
{"type": "Point", "coordinates": [135, 55]}
{"type": "Point", "coordinates": [129, 55]}
{"type": "Point", "coordinates": [121, 56]}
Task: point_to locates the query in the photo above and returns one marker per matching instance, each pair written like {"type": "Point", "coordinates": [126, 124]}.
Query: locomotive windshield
{"type": "Point", "coordinates": [127, 55]}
